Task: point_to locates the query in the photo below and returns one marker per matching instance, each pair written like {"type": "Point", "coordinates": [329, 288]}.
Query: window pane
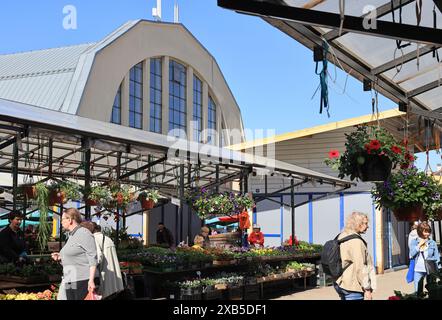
{"type": "Point", "coordinates": [131, 119]}
{"type": "Point", "coordinates": [138, 105]}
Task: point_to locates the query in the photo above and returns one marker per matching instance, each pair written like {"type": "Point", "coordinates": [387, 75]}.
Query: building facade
{"type": "Point", "coordinates": [152, 76]}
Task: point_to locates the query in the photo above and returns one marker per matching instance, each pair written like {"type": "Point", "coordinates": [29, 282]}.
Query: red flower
{"type": "Point", "coordinates": [394, 298]}
{"type": "Point", "coordinates": [409, 157]}
{"type": "Point", "coordinates": [333, 154]}
{"type": "Point", "coordinates": [367, 148]}
{"type": "Point", "coordinates": [396, 149]}
{"type": "Point", "coordinates": [375, 145]}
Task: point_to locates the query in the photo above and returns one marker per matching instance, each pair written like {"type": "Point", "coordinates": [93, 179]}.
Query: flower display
{"type": "Point", "coordinates": [368, 143]}
{"type": "Point", "coordinates": [222, 204]}
{"type": "Point", "coordinates": [408, 188]}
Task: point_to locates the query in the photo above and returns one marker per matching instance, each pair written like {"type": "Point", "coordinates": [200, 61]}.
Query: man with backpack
{"type": "Point", "coordinates": [347, 261]}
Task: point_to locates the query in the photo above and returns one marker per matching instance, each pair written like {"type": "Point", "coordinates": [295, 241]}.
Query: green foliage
{"type": "Point", "coordinates": [152, 194]}
{"type": "Point", "coordinates": [71, 190]}
{"type": "Point", "coordinates": [44, 229]}
{"type": "Point", "coordinates": [99, 193]}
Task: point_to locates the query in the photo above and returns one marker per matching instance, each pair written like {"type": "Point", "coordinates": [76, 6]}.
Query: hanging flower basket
{"type": "Point", "coordinates": [91, 202]}
{"type": "Point", "coordinates": [29, 191]}
{"type": "Point", "coordinates": [370, 153]}
{"type": "Point", "coordinates": [56, 197]}
{"type": "Point", "coordinates": [374, 168]}
{"type": "Point", "coordinates": [411, 213]}
{"type": "Point", "coordinates": [147, 204]}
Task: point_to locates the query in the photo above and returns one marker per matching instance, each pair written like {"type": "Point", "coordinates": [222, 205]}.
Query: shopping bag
{"type": "Point", "coordinates": [92, 296]}
{"type": "Point", "coordinates": [410, 273]}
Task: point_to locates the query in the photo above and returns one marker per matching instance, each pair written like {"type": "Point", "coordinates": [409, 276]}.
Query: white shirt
{"type": "Point", "coordinates": [420, 263]}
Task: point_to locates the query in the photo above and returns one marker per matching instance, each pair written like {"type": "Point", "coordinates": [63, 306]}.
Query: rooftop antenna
{"type": "Point", "coordinates": [176, 13]}
{"type": "Point", "coordinates": [156, 12]}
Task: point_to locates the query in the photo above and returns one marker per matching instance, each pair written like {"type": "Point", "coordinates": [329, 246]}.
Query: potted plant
{"type": "Point", "coordinates": [44, 229]}
{"type": "Point", "coordinates": [148, 199]}
{"type": "Point", "coordinates": [61, 192]}
{"type": "Point", "coordinates": [409, 193]}
{"type": "Point", "coordinates": [98, 195]}
{"type": "Point", "coordinates": [120, 196]}
{"type": "Point", "coordinates": [190, 288]}
{"type": "Point", "coordinates": [371, 152]}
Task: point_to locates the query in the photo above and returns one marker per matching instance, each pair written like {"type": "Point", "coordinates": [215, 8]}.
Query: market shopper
{"type": "Point", "coordinates": [78, 257]}
{"type": "Point", "coordinates": [426, 254]}
{"type": "Point", "coordinates": [413, 234]}
{"type": "Point", "coordinates": [12, 240]}
{"type": "Point", "coordinates": [256, 238]}
{"type": "Point", "coordinates": [164, 236]}
{"type": "Point", "coordinates": [358, 279]}
{"type": "Point", "coordinates": [202, 239]}
{"type": "Point", "coordinates": [111, 280]}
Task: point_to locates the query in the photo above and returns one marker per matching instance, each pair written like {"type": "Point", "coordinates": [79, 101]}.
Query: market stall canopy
{"type": "Point", "coordinates": [143, 159]}
{"type": "Point", "coordinates": [394, 49]}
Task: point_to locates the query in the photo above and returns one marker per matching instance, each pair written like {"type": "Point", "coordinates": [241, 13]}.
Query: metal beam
{"type": "Point", "coordinates": [402, 60]}
{"type": "Point", "coordinates": [292, 205]}
{"type": "Point", "coordinates": [317, 18]}
{"type": "Point", "coordinates": [150, 164]}
{"type": "Point", "coordinates": [381, 11]}
{"type": "Point", "coordinates": [87, 181]}
{"type": "Point", "coordinates": [428, 87]}
{"type": "Point", "coordinates": [15, 176]}
{"type": "Point", "coordinates": [260, 198]}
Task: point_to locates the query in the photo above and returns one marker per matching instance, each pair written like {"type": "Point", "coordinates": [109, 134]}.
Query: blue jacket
{"type": "Point", "coordinates": [433, 252]}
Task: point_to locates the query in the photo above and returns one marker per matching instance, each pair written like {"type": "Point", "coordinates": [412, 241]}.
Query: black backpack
{"type": "Point", "coordinates": [331, 255]}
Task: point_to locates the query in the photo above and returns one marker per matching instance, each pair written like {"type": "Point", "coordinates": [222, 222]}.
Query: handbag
{"type": "Point", "coordinates": [410, 273]}
{"type": "Point", "coordinates": [430, 266]}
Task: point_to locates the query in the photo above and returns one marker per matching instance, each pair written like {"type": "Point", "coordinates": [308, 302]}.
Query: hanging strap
{"type": "Point", "coordinates": [399, 44]}
{"type": "Point", "coordinates": [342, 15]}
{"type": "Point", "coordinates": [323, 80]}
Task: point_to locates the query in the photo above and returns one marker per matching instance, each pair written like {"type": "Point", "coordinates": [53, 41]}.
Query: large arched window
{"type": "Point", "coordinates": [156, 100]}
{"type": "Point", "coordinates": [211, 125]}
{"type": "Point", "coordinates": [136, 97]}
{"type": "Point", "coordinates": [197, 108]}
{"type": "Point", "coordinates": [177, 98]}
{"type": "Point", "coordinates": [116, 108]}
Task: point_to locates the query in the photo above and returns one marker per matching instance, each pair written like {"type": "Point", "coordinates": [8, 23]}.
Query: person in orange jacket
{"type": "Point", "coordinates": [256, 238]}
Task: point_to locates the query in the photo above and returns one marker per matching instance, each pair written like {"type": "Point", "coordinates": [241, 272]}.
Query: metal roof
{"type": "Point", "coordinates": [42, 77]}
{"type": "Point", "coordinates": [147, 142]}
{"type": "Point", "coordinates": [410, 75]}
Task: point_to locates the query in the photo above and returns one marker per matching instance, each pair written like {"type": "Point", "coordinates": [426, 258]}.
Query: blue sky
{"type": "Point", "coordinates": [271, 75]}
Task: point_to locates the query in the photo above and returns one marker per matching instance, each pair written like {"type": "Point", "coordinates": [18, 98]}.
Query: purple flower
{"type": "Point", "coordinates": [424, 184]}
{"type": "Point", "coordinates": [400, 184]}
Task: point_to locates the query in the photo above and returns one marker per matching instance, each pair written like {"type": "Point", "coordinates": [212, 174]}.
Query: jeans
{"type": "Point", "coordinates": [419, 281]}
{"type": "Point", "coordinates": [348, 295]}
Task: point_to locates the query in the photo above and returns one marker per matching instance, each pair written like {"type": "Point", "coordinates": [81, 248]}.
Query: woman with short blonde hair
{"type": "Point", "coordinates": [358, 279]}
{"type": "Point", "coordinates": [355, 221]}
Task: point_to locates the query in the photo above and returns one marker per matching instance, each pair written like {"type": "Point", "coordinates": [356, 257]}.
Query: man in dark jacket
{"type": "Point", "coordinates": [12, 240]}
{"type": "Point", "coordinates": [164, 236]}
